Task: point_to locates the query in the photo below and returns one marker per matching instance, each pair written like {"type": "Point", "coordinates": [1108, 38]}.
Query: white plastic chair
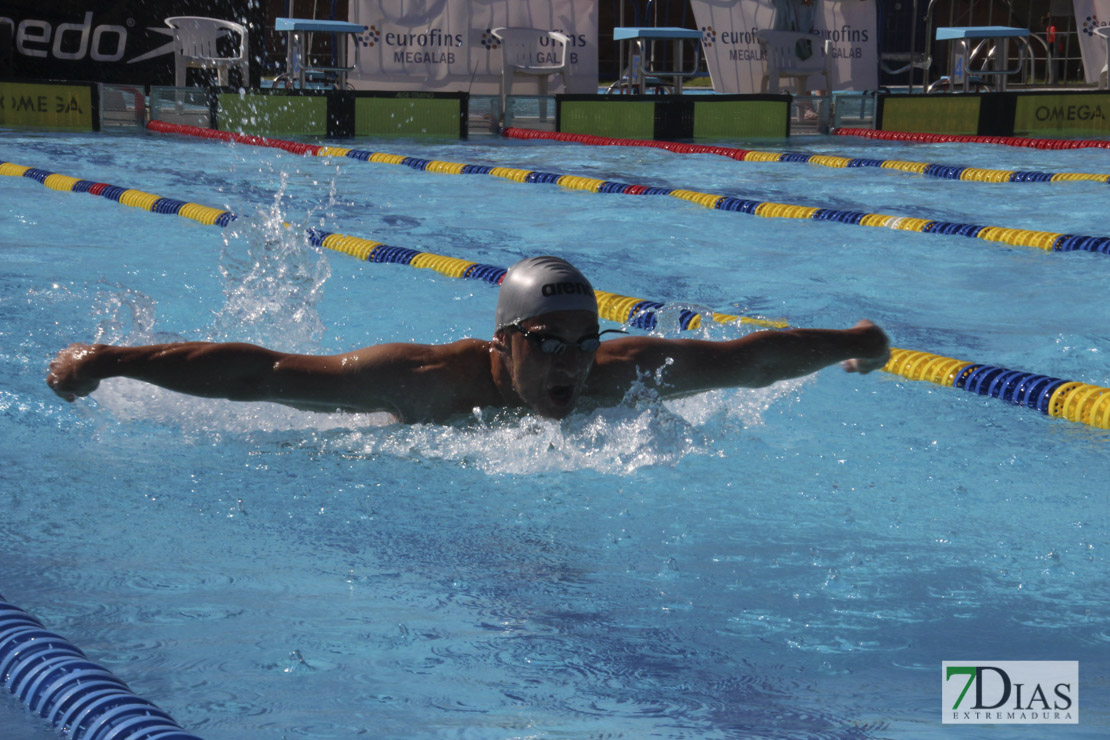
{"type": "Point", "coordinates": [523, 51]}
{"type": "Point", "coordinates": [785, 55]}
{"type": "Point", "coordinates": [1104, 75]}
{"type": "Point", "coordinates": [195, 41]}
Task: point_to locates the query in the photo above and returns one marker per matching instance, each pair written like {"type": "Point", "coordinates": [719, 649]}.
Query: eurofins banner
{"type": "Point", "coordinates": [1089, 15]}
{"type": "Point", "coordinates": [448, 46]}
{"type": "Point", "coordinates": [736, 63]}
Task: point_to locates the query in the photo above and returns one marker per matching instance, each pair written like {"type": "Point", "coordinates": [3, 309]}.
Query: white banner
{"type": "Point", "coordinates": [446, 45]}
{"type": "Point", "coordinates": [732, 51]}
{"type": "Point", "coordinates": [1089, 15]}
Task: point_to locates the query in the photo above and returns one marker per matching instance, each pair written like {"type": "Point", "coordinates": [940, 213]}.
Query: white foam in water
{"type": "Point", "coordinates": [615, 441]}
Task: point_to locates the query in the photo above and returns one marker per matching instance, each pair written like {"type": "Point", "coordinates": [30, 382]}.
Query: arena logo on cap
{"type": "Point", "coordinates": [1010, 692]}
{"type": "Point", "coordinates": [565, 288]}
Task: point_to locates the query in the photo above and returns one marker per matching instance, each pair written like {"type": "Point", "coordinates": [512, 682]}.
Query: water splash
{"type": "Point", "coordinates": [614, 441]}
{"type": "Point", "coordinates": [273, 282]}
{"type": "Point", "coordinates": [125, 316]}
{"type": "Point", "coordinates": [133, 401]}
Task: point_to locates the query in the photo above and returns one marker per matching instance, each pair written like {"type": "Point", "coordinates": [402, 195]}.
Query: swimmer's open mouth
{"type": "Point", "coordinates": [560, 394]}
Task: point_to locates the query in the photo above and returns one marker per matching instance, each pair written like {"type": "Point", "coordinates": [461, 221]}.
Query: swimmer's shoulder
{"type": "Point", "coordinates": [410, 355]}
{"type": "Point", "coordinates": [619, 363]}
{"type": "Point", "coordinates": [448, 380]}
{"type": "Point", "coordinates": [464, 355]}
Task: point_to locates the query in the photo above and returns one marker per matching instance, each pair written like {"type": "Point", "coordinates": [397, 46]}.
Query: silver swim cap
{"type": "Point", "coordinates": [539, 285]}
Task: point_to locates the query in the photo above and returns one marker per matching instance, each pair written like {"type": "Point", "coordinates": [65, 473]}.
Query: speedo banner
{"type": "Point", "coordinates": [120, 41]}
{"type": "Point", "coordinates": [448, 46]}
{"type": "Point", "coordinates": [736, 62]}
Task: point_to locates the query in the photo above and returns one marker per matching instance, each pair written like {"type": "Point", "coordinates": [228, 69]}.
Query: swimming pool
{"type": "Point", "coordinates": [787, 562]}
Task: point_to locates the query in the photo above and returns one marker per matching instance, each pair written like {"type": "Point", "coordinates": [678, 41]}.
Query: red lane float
{"type": "Point", "coordinates": [1020, 141]}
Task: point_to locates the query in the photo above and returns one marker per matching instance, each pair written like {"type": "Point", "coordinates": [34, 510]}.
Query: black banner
{"type": "Point", "coordinates": [120, 41]}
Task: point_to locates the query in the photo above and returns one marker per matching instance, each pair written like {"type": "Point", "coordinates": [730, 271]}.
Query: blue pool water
{"type": "Point", "coordinates": [790, 562]}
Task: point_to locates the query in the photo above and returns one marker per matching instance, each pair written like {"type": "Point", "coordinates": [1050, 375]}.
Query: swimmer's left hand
{"type": "Point", "coordinates": [873, 360]}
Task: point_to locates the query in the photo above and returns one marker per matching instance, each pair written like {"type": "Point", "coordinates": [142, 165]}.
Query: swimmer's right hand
{"type": "Point", "coordinates": [68, 375]}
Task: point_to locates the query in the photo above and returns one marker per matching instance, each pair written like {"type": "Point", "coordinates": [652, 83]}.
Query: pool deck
{"type": "Point", "coordinates": [853, 109]}
{"type": "Point", "coordinates": [809, 115]}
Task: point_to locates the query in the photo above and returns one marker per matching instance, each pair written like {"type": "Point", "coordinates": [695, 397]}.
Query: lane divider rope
{"type": "Point", "coordinates": [57, 682]}
{"type": "Point", "coordinates": [638, 312]}
{"type": "Point", "coordinates": [1019, 141]}
{"type": "Point", "coordinates": [133, 198]}
{"type": "Point", "coordinates": [1071, 400]}
{"type": "Point", "coordinates": [1049, 241]}
{"type": "Point", "coordinates": [946, 172]}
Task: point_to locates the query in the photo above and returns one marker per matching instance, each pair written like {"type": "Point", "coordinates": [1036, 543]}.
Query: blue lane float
{"type": "Point", "coordinates": [79, 698]}
{"type": "Point", "coordinates": [944, 172]}
{"type": "Point", "coordinates": [1046, 240]}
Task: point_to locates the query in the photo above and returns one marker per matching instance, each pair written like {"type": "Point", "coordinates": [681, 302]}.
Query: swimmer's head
{"type": "Point", "coordinates": [539, 285]}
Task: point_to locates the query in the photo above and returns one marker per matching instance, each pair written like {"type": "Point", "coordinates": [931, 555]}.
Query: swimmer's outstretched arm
{"type": "Point", "coordinates": [403, 379]}
{"type": "Point", "coordinates": [752, 361]}
{"type": "Point", "coordinates": [235, 371]}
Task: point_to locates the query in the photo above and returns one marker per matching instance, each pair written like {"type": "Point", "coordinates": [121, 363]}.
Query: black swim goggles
{"type": "Point", "coordinates": [550, 344]}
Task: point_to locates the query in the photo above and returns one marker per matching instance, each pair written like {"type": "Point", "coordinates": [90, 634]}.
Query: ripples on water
{"type": "Point", "coordinates": [753, 563]}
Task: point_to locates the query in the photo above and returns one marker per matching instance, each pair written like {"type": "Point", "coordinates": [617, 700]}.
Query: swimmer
{"type": "Point", "coordinates": [546, 355]}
